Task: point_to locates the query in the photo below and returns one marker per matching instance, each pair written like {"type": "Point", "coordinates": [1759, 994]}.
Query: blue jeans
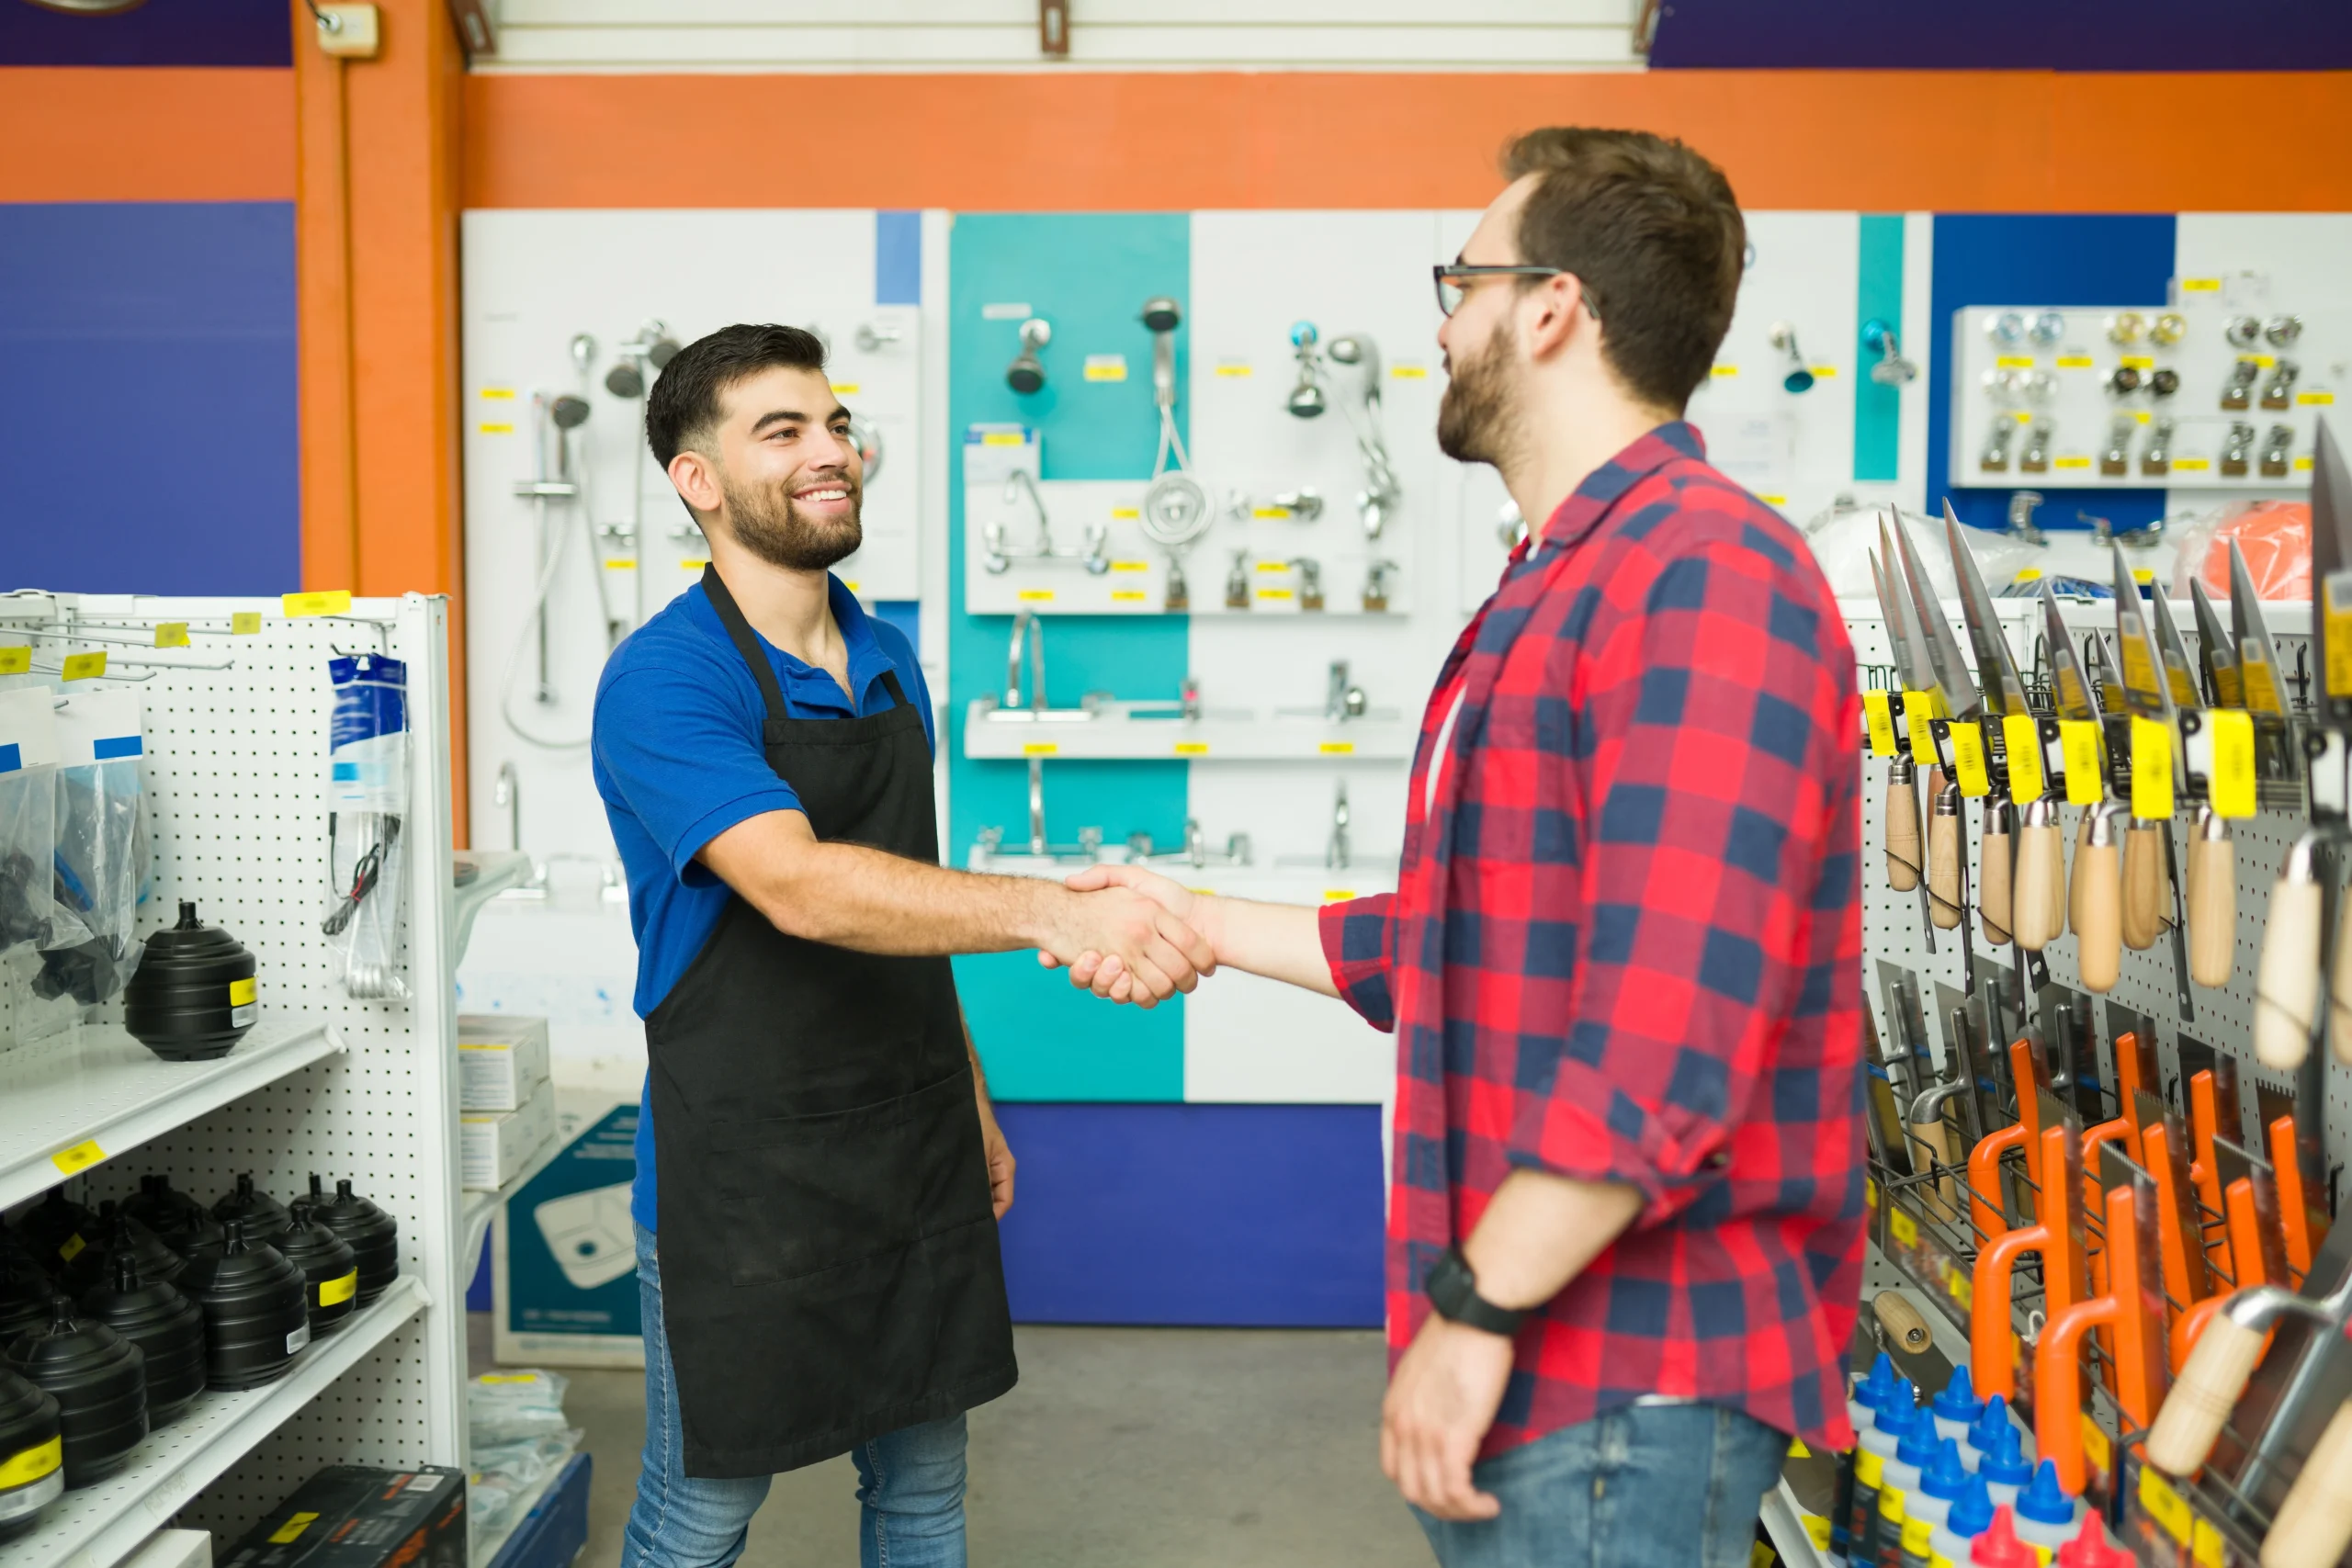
{"type": "Point", "coordinates": [909, 1483]}
{"type": "Point", "coordinates": [1642, 1486]}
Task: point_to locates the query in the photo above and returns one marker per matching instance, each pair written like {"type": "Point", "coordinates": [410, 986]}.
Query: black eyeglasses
{"type": "Point", "coordinates": [1450, 278]}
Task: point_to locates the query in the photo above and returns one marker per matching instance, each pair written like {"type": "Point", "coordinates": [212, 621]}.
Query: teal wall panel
{"type": "Point", "coordinates": [1878, 292]}
{"type": "Point", "coordinates": [1088, 274]}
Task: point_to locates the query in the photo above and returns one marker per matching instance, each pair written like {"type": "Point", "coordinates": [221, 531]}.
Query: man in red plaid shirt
{"type": "Point", "coordinates": [1624, 958]}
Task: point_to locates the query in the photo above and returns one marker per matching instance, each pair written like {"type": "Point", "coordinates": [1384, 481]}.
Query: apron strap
{"type": "Point", "coordinates": [746, 641]}
{"type": "Point", "coordinates": [890, 685]}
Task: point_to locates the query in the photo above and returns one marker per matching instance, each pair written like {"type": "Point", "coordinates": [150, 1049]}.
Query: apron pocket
{"type": "Point", "coordinates": [802, 1195]}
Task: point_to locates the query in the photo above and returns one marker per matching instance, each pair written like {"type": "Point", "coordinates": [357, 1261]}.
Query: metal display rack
{"type": "Point", "coordinates": [235, 750]}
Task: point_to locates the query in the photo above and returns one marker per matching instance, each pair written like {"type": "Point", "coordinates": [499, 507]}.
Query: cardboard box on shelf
{"type": "Point", "coordinates": [502, 1059]}
{"type": "Point", "coordinates": [353, 1516]}
{"type": "Point", "coordinates": [494, 1146]}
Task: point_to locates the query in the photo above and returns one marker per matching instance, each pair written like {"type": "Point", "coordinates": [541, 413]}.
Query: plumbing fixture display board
{"type": "Point", "coordinates": [231, 760]}
{"type": "Point", "coordinates": [623, 545]}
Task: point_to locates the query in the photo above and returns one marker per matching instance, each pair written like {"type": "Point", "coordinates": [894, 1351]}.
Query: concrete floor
{"type": "Point", "coordinates": [1146, 1447]}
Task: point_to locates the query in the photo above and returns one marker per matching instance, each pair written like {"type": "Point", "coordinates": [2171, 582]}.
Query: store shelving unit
{"type": "Point", "coordinates": [235, 734]}
{"type": "Point", "coordinates": [76, 1101]}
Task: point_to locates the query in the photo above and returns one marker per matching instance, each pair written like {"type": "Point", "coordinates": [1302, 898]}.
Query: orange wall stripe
{"type": "Point", "coordinates": [154, 133]}
{"type": "Point", "coordinates": [1873, 139]}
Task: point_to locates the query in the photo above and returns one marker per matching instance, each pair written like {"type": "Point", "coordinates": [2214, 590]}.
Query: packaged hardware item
{"type": "Point", "coordinates": [502, 1059]}
{"type": "Point", "coordinates": [28, 818]}
{"type": "Point", "coordinates": [367, 797]}
{"type": "Point", "coordinates": [494, 1146]}
{"type": "Point", "coordinates": [351, 1517]}
{"type": "Point", "coordinates": [514, 1403]}
{"type": "Point", "coordinates": [101, 856]}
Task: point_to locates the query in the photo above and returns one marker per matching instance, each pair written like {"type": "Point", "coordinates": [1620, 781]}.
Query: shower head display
{"type": "Point", "coordinates": [866, 437]}
{"type": "Point", "coordinates": [1306, 400]}
{"type": "Point", "coordinates": [583, 353]}
{"type": "Point", "coordinates": [568, 411]}
{"type": "Point", "coordinates": [1160, 318]}
{"type": "Point", "coordinates": [626, 379]}
{"type": "Point", "coordinates": [653, 345]}
{"type": "Point", "coordinates": [1161, 314]}
{"type": "Point", "coordinates": [1026, 374]}
{"type": "Point", "coordinates": [1360, 403]}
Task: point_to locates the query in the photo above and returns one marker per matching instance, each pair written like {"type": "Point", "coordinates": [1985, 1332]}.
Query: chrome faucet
{"type": "Point", "coordinates": [1028, 629]}
{"type": "Point", "coordinates": [1018, 481]}
{"type": "Point", "coordinates": [1341, 699]}
{"type": "Point", "coordinates": [1196, 843]}
{"type": "Point", "coordinates": [1038, 806]}
{"type": "Point", "coordinates": [1335, 853]}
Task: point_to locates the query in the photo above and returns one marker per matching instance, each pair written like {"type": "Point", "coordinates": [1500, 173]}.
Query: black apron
{"type": "Point", "coordinates": [830, 1270]}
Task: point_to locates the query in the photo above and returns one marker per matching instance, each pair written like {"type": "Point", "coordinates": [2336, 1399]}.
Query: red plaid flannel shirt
{"type": "Point", "coordinates": [1626, 946]}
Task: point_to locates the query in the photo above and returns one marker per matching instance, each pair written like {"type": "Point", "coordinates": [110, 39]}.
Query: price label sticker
{"type": "Point", "coordinates": [1870, 1192]}
{"type": "Point", "coordinates": [291, 1530]}
{"type": "Point", "coordinates": [31, 1464]}
{"type": "Point", "coordinates": [1128, 596]}
{"type": "Point", "coordinates": [1191, 748]}
{"type": "Point", "coordinates": [1338, 747]}
{"type": "Point", "coordinates": [85, 666]}
{"type": "Point", "coordinates": [244, 623]}
{"type": "Point", "coordinates": [2077, 461]}
{"type": "Point", "coordinates": [2257, 682]}
{"type": "Point", "coordinates": [1338, 895]}
{"type": "Point", "coordinates": [1040, 748]}
{"type": "Point", "coordinates": [1968, 761]}
{"type": "Point", "coordinates": [16, 661]}
{"type": "Point", "coordinates": [1408, 372]}
{"type": "Point", "coordinates": [2201, 285]}
{"type": "Point", "coordinates": [2232, 784]}
{"type": "Point", "coordinates": [1107, 368]}
{"type": "Point", "coordinates": [2136, 362]}
{"type": "Point", "coordinates": [2095, 1447]}
{"type": "Point", "coordinates": [1130, 566]}
{"type": "Point", "coordinates": [2338, 601]}
{"type": "Point", "coordinates": [340, 1289]}
{"type": "Point", "coordinates": [2205, 1545]}
{"type": "Point", "coordinates": [2086, 777]}
{"type": "Point", "coordinates": [1905, 1228]}
{"type": "Point", "coordinates": [2022, 738]}
{"type": "Point", "coordinates": [319, 602]}
{"type": "Point", "coordinates": [244, 993]}
{"type": "Point", "coordinates": [2191, 464]}
{"type": "Point", "coordinates": [2163, 1505]}
{"type": "Point", "coordinates": [1037, 596]}
{"type": "Point", "coordinates": [171, 633]}
{"type": "Point", "coordinates": [1125, 514]}
{"type": "Point", "coordinates": [2151, 770]}
{"type": "Point", "coordinates": [80, 1157]}
{"type": "Point", "coordinates": [1231, 369]}
{"type": "Point", "coordinates": [2075, 362]}
{"type": "Point", "coordinates": [2015, 362]}
{"type": "Point", "coordinates": [1960, 1287]}
{"type": "Point", "coordinates": [1918, 708]}
{"type": "Point", "coordinates": [1878, 712]}
{"type": "Point", "coordinates": [2315, 399]}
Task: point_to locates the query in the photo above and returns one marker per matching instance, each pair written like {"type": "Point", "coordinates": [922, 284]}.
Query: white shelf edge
{"type": "Point", "coordinates": [476, 1208]}
{"type": "Point", "coordinates": [1784, 1522]}
{"type": "Point", "coordinates": [498, 871]}
{"type": "Point", "coordinates": [209, 1086]}
{"type": "Point", "coordinates": [145, 1495]}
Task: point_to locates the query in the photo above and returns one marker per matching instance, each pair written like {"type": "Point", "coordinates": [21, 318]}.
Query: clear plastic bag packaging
{"type": "Point", "coordinates": [2275, 536]}
{"type": "Point", "coordinates": [367, 799]}
{"type": "Point", "coordinates": [504, 1475]}
{"type": "Point", "coordinates": [515, 1405]}
{"type": "Point", "coordinates": [101, 857]}
{"type": "Point", "coordinates": [28, 818]}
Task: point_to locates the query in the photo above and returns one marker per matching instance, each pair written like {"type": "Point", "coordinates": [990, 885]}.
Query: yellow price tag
{"type": "Point", "coordinates": [243, 992]}
{"type": "Point", "coordinates": [2151, 770]}
{"type": "Point", "coordinates": [2205, 1545]}
{"type": "Point", "coordinates": [1040, 748]}
{"type": "Point", "coordinates": [340, 1289]}
{"type": "Point", "coordinates": [2163, 1505]}
{"type": "Point", "coordinates": [16, 661]}
{"type": "Point", "coordinates": [292, 1528]}
{"type": "Point", "coordinates": [1818, 1529]}
{"type": "Point", "coordinates": [1130, 564]}
{"type": "Point", "coordinates": [73, 1247]}
{"type": "Point", "coordinates": [2086, 777]}
{"type": "Point", "coordinates": [1905, 1228]}
{"type": "Point", "coordinates": [1124, 514]}
{"type": "Point", "coordinates": [2232, 785]}
{"type": "Point", "coordinates": [2014, 362]}
{"type": "Point", "coordinates": [1338, 895]}
{"type": "Point", "coordinates": [1878, 711]}
{"type": "Point", "coordinates": [2315, 399]}
{"type": "Point", "coordinates": [32, 1464]}
{"type": "Point", "coordinates": [244, 623]}
{"type": "Point", "coordinates": [1191, 748]}
{"type": "Point", "coordinates": [1968, 761]}
{"type": "Point", "coordinates": [2095, 1447]}
{"type": "Point", "coordinates": [2022, 737]}
{"type": "Point", "coordinates": [85, 666]}
{"type": "Point", "coordinates": [1408, 372]}
{"type": "Point", "coordinates": [1870, 1192]}
{"type": "Point", "coordinates": [2201, 285]}
{"type": "Point", "coordinates": [1037, 596]}
{"type": "Point", "coordinates": [2075, 362]}
{"type": "Point", "coordinates": [1918, 708]}
{"type": "Point", "coordinates": [171, 633]}
{"type": "Point", "coordinates": [1128, 596]}
{"type": "Point", "coordinates": [1960, 1287]}
{"type": "Point", "coordinates": [318, 601]}
{"type": "Point", "coordinates": [80, 1157]}
{"type": "Point", "coordinates": [1003, 438]}
{"type": "Point", "coordinates": [845, 388]}
{"type": "Point", "coordinates": [1336, 748]}
{"type": "Point", "coordinates": [2338, 594]}
{"type": "Point", "coordinates": [2257, 681]}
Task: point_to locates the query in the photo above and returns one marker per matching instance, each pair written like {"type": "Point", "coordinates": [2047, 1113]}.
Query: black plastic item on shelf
{"type": "Point", "coordinates": [32, 1473]}
{"type": "Point", "coordinates": [167, 1327]}
{"type": "Point", "coordinates": [193, 997]}
{"type": "Point", "coordinates": [120, 1236]}
{"type": "Point", "coordinates": [257, 1310]}
{"type": "Point", "coordinates": [99, 1382]}
{"type": "Point", "coordinates": [265, 1218]}
{"type": "Point", "coordinates": [25, 1291]}
{"type": "Point", "coordinates": [177, 1219]}
{"type": "Point", "coordinates": [55, 1229]}
{"type": "Point", "coordinates": [373, 1236]}
{"type": "Point", "coordinates": [330, 1269]}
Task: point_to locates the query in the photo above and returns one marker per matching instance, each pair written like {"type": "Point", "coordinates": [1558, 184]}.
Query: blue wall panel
{"type": "Point", "coordinates": [2037, 259]}
{"type": "Point", "coordinates": [1259, 1215]}
{"type": "Point", "coordinates": [1088, 274]}
{"type": "Point", "coordinates": [148, 421]}
{"type": "Point", "coordinates": [2081, 35]}
{"type": "Point", "coordinates": [160, 32]}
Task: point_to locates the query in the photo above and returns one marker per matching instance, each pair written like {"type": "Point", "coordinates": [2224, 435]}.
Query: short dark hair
{"type": "Point", "coordinates": [1653, 233]}
{"type": "Point", "coordinates": [683, 408]}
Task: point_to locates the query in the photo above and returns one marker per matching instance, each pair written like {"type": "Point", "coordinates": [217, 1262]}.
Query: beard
{"type": "Point", "coordinates": [767, 523]}
{"type": "Point", "coordinates": [1477, 419]}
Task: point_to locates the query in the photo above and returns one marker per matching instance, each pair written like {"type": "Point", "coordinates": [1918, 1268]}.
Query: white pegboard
{"type": "Point", "coordinates": [233, 775]}
{"type": "Point", "coordinates": [1894, 924]}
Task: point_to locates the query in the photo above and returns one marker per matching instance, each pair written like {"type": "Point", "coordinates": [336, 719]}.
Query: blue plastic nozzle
{"type": "Point", "coordinates": [2045, 1501]}
{"type": "Point", "coordinates": [1972, 1511]}
{"type": "Point", "coordinates": [1944, 1475]}
{"type": "Point", "coordinates": [2004, 1463]}
{"type": "Point", "coordinates": [1958, 1402]}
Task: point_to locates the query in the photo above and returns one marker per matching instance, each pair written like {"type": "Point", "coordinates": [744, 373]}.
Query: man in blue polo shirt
{"type": "Point", "coordinates": [819, 1173]}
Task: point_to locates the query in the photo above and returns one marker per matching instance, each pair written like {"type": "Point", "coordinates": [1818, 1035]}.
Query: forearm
{"type": "Point", "coordinates": [1281, 942]}
{"type": "Point", "coordinates": [1540, 1231]}
{"type": "Point", "coordinates": [870, 901]}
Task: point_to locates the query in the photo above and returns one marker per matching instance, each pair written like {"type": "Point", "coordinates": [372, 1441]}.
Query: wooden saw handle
{"type": "Point", "coordinates": [2204, 1394]}
{"type": "Point", "coordinates": [2212, 908]}
{"type": "Point", "coordinates": [1936, 1135]}
{"type": "Point", "coordinates": [1994, 904]}
{"type": "Point", "coordinates": [2314, 1523]}
{"type": "Point", "coordinates": [2286, 983]}
{"type": "Point", "coordinates": [2039, 902]}
{"type": "Point", "coordinates": [1901, 833]}
{"type": "Point", "coordinates": [2098, 929]}
{"type": "Point", "coordinates": [2339, 986]}
{"type": "Point", "coordinates": [2075, 888]}
{"type": "Point", "coordinates": [2143, 883]}
{"type": "Point", "coordinates": [1944, 865]}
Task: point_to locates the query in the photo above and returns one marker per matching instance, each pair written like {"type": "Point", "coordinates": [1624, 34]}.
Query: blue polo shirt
{"type": "Point", "coordinates": [677, 759]}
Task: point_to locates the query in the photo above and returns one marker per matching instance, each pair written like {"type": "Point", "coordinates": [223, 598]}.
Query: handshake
{"type": "Point", "coordinates": [1131, 935]}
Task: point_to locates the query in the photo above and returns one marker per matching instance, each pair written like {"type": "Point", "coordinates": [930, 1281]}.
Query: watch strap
{"type": "Point", "coordinates": [1452, 1289]}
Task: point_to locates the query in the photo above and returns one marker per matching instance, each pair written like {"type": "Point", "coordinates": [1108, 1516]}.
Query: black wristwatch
{"type": "Point", "coordinates": [1453, 1290]}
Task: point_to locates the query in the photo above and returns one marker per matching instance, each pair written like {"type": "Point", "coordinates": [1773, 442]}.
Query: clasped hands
{"type": "Point", "coordinates": [1133, 935]}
